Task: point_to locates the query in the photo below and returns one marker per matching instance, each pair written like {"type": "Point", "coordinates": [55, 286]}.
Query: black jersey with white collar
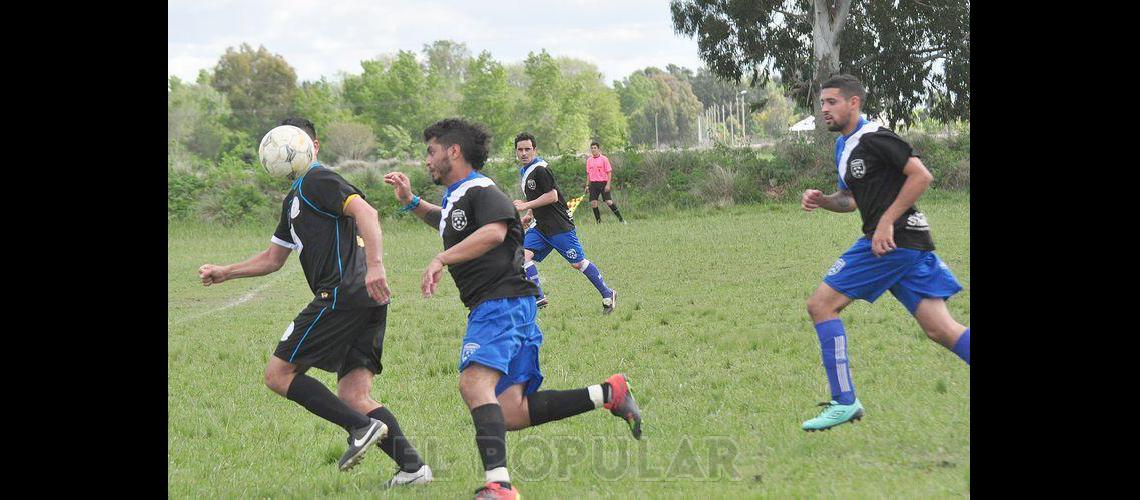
{"type": "Point", "coordinates": [870, 162]}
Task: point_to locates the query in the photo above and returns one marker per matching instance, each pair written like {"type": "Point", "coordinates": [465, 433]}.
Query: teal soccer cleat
{"type": "Point", "coordinates": [833, 415]}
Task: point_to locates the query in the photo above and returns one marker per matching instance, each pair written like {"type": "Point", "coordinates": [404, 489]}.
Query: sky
{"type": "Point", "coordinates": [326, 37]}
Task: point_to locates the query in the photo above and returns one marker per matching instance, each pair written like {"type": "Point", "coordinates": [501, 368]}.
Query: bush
{"type": "Point", "coordinates": [235, 191]}
{"type": "Point", "coordinates": [182, 192]}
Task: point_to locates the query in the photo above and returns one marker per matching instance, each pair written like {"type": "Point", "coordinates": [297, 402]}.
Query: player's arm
{"type": "Point", "coordinates": [265, 262]}
{"type": "Point", "coordinates": [426, 211]}
{"type": "Point", "coordinates": [609, 175]}
{"type": "Point", "coordinates": [918, 178]}
{"type": "Point", "coordinates": [542, 201]}
{"type": "Point", "coordinates": [480, 242]}
{"type": "Point", "coordinates": [368, 227]}
{"type": "Point", "coordinates": [840, 201]}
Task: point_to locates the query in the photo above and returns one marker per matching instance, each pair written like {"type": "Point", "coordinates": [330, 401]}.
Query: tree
{"type": "Point", "coordinates": [397, 94]}
{"type": "Point", "coordinates": [892, 48]}
{"type": "Point", "coordinates": [660, 107]}
{"type": "Point", "coordinates": [196, 117]}
{"type": "Point", "coordinates": [490, 100]}
{"type": "Point", "coordinates": [258, 85]}
{"type": "Point", "coordinates": [348, 141]}
{"type": "Point", "coordinates": [554, 109]}
{"type": "Point", "coordinates": [446, 72]}
{"type": "Point", "coordinates": [322, 102]}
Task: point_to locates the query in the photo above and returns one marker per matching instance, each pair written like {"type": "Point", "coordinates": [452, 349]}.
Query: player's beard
{"type": "Point", "coordinates": [443, 169]}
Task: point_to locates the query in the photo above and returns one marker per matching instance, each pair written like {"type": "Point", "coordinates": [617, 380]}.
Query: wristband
{"type": "Point", "coordinates": [411, 206]}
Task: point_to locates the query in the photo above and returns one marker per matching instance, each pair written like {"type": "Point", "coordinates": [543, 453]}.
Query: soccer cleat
{"type": "Point", "coordinates": [496, 491]}
{"type": "Point", "coordinates": [833, 415]}
{"type": "Point", "coordinates": [543, 302]}
{"type": "Point", "coordinates": [359, 441]}
{"type": "Point", "coordinates": [422, 476]}
{"type": "Point", "coordinates": [622, 403]}
{"type": "Point", "coordinates": [609, 303]}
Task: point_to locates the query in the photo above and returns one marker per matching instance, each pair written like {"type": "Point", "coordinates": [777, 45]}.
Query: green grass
{"type": "Point", "coordinates": [711, 329]}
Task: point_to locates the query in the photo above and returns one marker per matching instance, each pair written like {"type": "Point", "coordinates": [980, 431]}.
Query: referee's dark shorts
{"type": "Point", "coordinates": [598, 188]}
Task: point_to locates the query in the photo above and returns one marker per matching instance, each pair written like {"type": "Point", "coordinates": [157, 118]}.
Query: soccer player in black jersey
{"type": "Point", "coordinates": [337, 236]}
{"type": "Point", "coordinates": [499, 373]}
{"type": "Point", "coordinates": [882, 177]}
{"type": "Point", "coordinates": [553, 225]}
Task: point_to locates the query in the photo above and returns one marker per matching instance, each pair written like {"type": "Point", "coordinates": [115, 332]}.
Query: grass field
{"type": "Point", "coordinates": [711, 329]}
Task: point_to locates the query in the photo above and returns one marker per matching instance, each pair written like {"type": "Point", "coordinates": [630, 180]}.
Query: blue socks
{"type": "Point", "coordinates": [532, 274]}
{"type": "Point", "coordinates": [591, 271]}
{"type": "Point", "coordinates": [962, 347]}
{"type": "Point", "coordinates": [833, 350]}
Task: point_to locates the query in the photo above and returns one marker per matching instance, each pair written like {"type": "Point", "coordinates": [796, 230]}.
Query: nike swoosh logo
{"type": "Point", "coordinates": [361, 441]}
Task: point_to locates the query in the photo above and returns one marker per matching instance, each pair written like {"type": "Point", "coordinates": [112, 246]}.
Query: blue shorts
{"type": "Point", "coordinates": [566, 243]}
{"type": "Point", "coordinates": [502, 334]}
{"type": "Point", "coordinates": [910, 275]}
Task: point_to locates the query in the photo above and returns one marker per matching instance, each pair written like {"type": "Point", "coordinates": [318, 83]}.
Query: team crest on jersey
{"type": "Point", "coordinates": [468, 349]}
{"type": "Point", "coordinates": [295, 208]}
{"type": "Point", "coordinates": [530, 184]}
{"type": "Point", "coordinates": [571, 254]}
{"type": "Point", "coordinates": [917, 222]}
{"type": "Point", "coordinates": [288, 331]}
{"type": "Point", "coordinates": [458, 220]}
{"type": "Point", "coordinates": [836, 267]}
{"type": "Point", "coordinates": [858, 169]}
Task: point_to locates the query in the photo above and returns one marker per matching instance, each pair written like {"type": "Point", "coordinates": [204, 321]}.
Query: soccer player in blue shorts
{"type": "Point", "coordinates": [550, 223]}
{"type": "Point", "coordinates": [499, 372]}
{"type": "Point", "coordinates": [882, 176]}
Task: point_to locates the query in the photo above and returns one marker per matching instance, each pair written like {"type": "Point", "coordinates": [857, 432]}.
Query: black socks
{"type": "Point", "coordinates": [395, 444]}
{"type": "Point", "coordinates": [318, 399]}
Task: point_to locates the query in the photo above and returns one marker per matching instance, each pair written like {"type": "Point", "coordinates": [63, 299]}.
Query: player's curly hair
{"type": "Point", "coordinates": [473, 138]}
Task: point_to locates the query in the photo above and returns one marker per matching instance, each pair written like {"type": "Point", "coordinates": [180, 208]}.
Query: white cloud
{"type": "Point", "coordinates": [322, 38]}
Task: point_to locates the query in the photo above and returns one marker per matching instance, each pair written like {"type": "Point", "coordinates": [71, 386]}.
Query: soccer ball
{"type": "Point", "coordinates": [286, 152]}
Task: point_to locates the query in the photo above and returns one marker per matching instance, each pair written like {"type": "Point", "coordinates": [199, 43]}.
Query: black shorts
{"type": "Point", "coordinates": [335, 341]}
{"type": "Point", "coordinates": [598, 188]}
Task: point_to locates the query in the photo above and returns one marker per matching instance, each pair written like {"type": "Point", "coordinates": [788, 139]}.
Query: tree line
{"type": "Point", "coordinates": [380, 112]}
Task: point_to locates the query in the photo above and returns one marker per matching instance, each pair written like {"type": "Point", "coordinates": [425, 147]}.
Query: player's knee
{"type": "Point", "coordinates": [815, 308]}
{"type": "Point", "coordinates": [276, 381]}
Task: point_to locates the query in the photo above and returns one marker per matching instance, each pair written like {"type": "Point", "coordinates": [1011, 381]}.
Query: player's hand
{"type": "Point", "coordinates": [526, 220]}
{"type": "Point", "coordinates": [883, 241]}
{"type": "Point", "coordinates": [519, 205]}
{"type": "Point", "coordinates": [376, 282]}
{"type": "Point", "coordinates": [607, 187]}
{"type": "Point", "coordinates": [211, 274]}
{"type": "Point", "coordinates": [812, 199]}
{"type": "Point", "coordinates": [401, 184]}
{"type": "Point", "coordinates": [431, 277]}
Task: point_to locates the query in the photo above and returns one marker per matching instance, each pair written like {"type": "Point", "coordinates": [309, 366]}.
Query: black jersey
{"type": "Point", "coordinates": [870, 163]}
{"type": "Point", "coordinates": [314, 224]}
{"type": "Point", "coordinates": [468, 205]}
{"type": "Point", "coordinates": [537, 180]}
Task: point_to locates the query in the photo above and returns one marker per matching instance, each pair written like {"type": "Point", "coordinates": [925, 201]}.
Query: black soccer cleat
{"type": "Point", "coordinates": [360, 441]}
{"type": "Point", "coordinates": [543, 302]}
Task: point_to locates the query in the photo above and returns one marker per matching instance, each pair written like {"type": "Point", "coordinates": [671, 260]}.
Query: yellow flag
{"type": "Point", "coordinates": [572, 204]}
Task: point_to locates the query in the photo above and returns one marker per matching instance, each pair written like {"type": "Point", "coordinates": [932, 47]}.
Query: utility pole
{"type": "Point", "coordinates": [743, 127]}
